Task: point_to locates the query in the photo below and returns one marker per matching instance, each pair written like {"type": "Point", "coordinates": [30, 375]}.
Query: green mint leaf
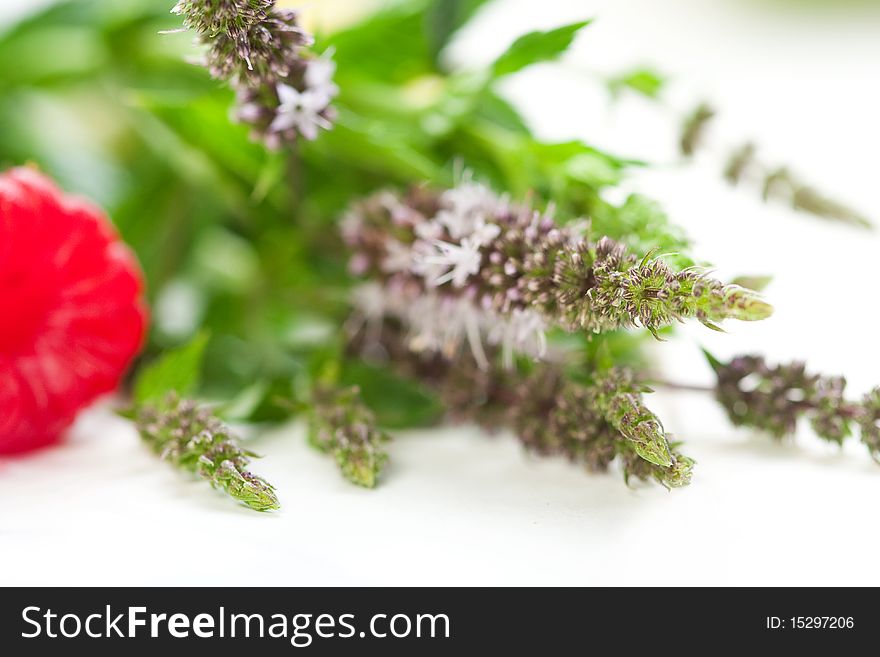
{"type": "Point", "coordinates": [714, 362]}
{"type": "Point", "coordinates": [536, 47]}
{"type": "Point", "coordinates": [177, 370]}
{"type": "Point", "coordinates": [395, 400]}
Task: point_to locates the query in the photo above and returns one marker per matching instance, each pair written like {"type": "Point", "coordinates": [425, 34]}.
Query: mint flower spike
{"type": "Point", "coordinates": [340, 424]}
{"type": "Point", "coordinates": [213, 17]}
{"type": "Point", "coordinates": [464, 266]}
{"type": "Point", "coordinates": [247, 40]}
{"type": "Point", "coordinates": [599, 421]}
{"type": "Point", "coordinates": [193, 439]}
{"type": "Point", "coordinates": [283, 90]}
{"type": "Point", "coordinates": [652, 295]}
{"type": "Point", "coordinates": [774, 398]}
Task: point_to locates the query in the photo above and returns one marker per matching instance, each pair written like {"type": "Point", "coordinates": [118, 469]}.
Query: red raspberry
{"type": "Point", "coordinates": [72, 315]}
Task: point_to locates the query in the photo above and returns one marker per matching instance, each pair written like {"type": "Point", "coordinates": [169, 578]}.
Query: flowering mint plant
{"type": "Point", "coordinates": [288, 285]}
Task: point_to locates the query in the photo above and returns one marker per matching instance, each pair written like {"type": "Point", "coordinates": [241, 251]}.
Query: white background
{"type": "Point", "coordinates": [459, 507]}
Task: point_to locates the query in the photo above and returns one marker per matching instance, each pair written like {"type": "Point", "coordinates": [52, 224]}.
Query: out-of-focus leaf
{"type": "Point", "coordinates": [391, 45]}
{"type": "Point", "coordinates": [198, 122]}
{"type": "Point", "coordinates": [397, 402]}
{"type": "Point", "coordinates": [645, 81]}
{"type": "Point", "coordinates": [68, 41]}
{"type": "Point", "coordinates": [575, 163]}
{"type": "Point", "coordinates": [270, 176]}
{"type": "Point", "coordinates": [241, 407]}
{"type": "Point", "coordinates": [445, 18]}
{"type": "Point", "coordinates": [498, 111]}
{"type": "Point", "coordinates": [34, 123]}
{"type": "Point", "coordinates": [187, 160]}
{"type": "Point", "coordinates": [176, 370]}
{"type": "Point", "coordinates": [50, 54]}
{"type": "Point", "coordinates": [536, 47]}
{"type": "Point", "coordinates": [592, 169]}
{"type": "Point", "coordinates": [225, 261]}
{"type": "Point", "coordinates": [756, 283]}
{"type": "Point", "coordinates": [275, 404]}
{"type": "Point", "coordinates": [379, 147]}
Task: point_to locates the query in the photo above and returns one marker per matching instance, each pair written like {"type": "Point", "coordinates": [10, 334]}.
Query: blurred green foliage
{"type": "Point", "coordinates": [242, 240]}
{"type": "Point", "coordinates": [536, 47]}
{"type": "Point", "coordinates": [642, 80]}
{"type": "Point", "coordinates": [177, 370]}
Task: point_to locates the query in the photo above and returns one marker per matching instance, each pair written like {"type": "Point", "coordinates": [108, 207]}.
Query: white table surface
{"type": "Point", "coordinates": [459, 507]}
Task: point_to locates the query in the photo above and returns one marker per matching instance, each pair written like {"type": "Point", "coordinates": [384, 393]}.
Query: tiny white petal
{"type": "Point", "coordinates": [283, 122]}
{"type": "Point", "coordinates": [288, 95]}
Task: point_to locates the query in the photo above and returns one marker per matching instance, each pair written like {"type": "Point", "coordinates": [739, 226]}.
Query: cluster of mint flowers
{"type": "Point", "coordinates": [592, 421]}
{"type": "Point", "coordinates": [774, 398]}
{"type": "Point", "coordinates": [283, 90]}
{"type": "Point", "coordinates": [465, 265]}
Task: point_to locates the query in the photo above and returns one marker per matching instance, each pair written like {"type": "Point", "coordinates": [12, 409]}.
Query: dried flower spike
{"type": "Point", "coordinates": [283, 90]}
{"type": "Point", "coordinates": [465, 265]}
{"type": "Point", "coordinates": [340, 424]}
{"type": "Point", "coordinates": [191, 438]}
